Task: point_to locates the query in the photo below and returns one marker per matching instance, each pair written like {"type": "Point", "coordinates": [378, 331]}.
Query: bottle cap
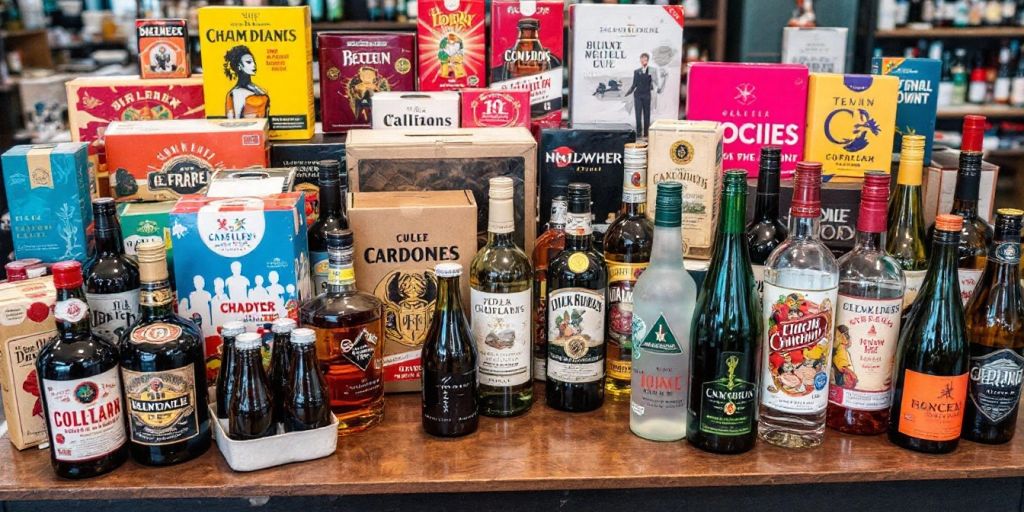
{"type": "Point", "coordinates": [874, 202]}
{"type": "Point", "coordinates": [16, 271]}
{"type": "Point", "coordinates": [668, 204]}
{"type": "Point", "coordinates": [303, 336]}
{"type": "Point", "coordinates": [771, 158]}
{"type": "Point", "coordinates": [501, 187]}
{"type": "Point", "coordinates": [233, 328]}
{"type": "Point", "coordinates": [735, 181]}
{"type": "Point", "coordinates": [152, 257]}
{"type": "Point", "coordinates": [912, 147]}
{"type": "Point", "coordinates": [448, 269]}
{"type": "Point", "coordinates": [973, 133]}
{"type": "Point", "coordinates": [949, 222]}
{"type": "Point", "coordinates": [635, 154]}
{"type": "Point", "coordinates": [1008, 223]}
{"type": "Point", "coordinates": [67, 275]}
{"type": "Point", "coordinates": [806, 190]}
{"type": "Point", "coordinates": [283, 325]}
{"type": "Point", "coordinates": [339, 239]}
{"type": "Point", "coordinates": [103, 206]}
{"type": "Point", "coordinates": [579, 197]}
{"type": "Point", "coordinates": [329, 171]}
{"type": "Point", "coordinates": [248, 341]}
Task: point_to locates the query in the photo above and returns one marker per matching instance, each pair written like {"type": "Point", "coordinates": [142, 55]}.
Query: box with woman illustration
{"type": "Point", "coordinates": [451, 44]}
{"type": "Point", "coordinates": [259, 63]}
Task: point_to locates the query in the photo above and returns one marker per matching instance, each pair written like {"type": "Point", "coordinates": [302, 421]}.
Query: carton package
{"type": "Point", "coordinates": [163, 48]}
{"type": "Point", "coordinates": [274, 450]}
{"type": "Point", "coordinates": [163, 160]}
{"type": "Point", "coordinates": [459, 159]}
{"type": "Point", "coordinates": [147, 222]}
{"type": "Point", "coordinates": [851, 121]}
{"type": "Point", "coordinates": [27, 311]}
{"type": "Point", "coordinates": [260, 65]}
{"type": "Point", "coordinates": [939, 185]}
{"type": "Point", "coordinates": [415, 110]}
{"type": "Point", "coordinates": [354, 67]}
{"type": "Point", "coordinates": [689, 152]}
{"type": "Point", "coordinates": [840, 206]}
{"type": "Point", "coordinates": [757, 105]}
{"type": "Point", "coordinates": [247, 261]}
{"type": "Point", "coordinates": [401, 236]}
{"type": "Point", "coordinates": [527, 53]}
{"type": "Point", "coordinates": [47, 188]}
{"type": "Point", "coordinates": [305, 156]}
{"type": "Point", "coordinates": [625, 65]}
{"type": "Point", "coordinates": [485, 108]}
{"type": "Point", "coordinates": [821, 49]}
{"type": "Point", "coordinates": [251, 182]}
{"type": "Point", "coordinates": [918, 97]}
{"type": "Point", "coordinates": [450, 44]}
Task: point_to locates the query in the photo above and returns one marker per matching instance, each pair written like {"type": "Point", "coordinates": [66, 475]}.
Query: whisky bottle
{"type": "Point", "coordinates": [303, 396]}
{"type": "Point", "coordinates": [905, 238]}
{"type": "Point", "coordinates": [349, 340]}
{"type": "Point", "coordinates": [250, 410]}
{"type": "Point", "coordinates": [81, 387]}
{"type": "Point", "coordinates": [500, 278]}
{"type": "Point", "coordinates": [449, 356]}
{"type": "Point", "coordinates": [547, 246]}
{"type": "Point", "coordinates": [111, 277]}
{"type": "Point", "coordinates": [226, 373]}
{"type": "Point", "coordinates": [627, 252]}
{"type": "Point", "coordinates": [577, 299]}
{"type": "Point", "coordinates": [164, 372]}
{"type": "Point", "coordinates": [280, 359]}
{"type": "Point", "coordinates": [766, 231]}
{"type": "Point", "coordinates": [330, 216]}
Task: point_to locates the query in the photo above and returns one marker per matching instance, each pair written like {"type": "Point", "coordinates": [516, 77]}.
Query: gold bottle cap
{"type": "Point", "coordinates": [152, 258]}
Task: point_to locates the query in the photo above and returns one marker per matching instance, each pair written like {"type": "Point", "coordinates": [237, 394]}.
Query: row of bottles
{"type": "Point", "coordinates": [949, 13]}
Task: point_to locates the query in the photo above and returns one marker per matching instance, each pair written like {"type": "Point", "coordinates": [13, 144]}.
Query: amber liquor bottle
{"type": "Point", "coordinates": [548, 246]}
{"type": "Point", "coordinates": [111, 277]}
{"type": "Point", "coordinates": [528, 56]}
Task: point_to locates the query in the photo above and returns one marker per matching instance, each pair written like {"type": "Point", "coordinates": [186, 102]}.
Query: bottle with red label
{"type": "Point", "coordinates": [871, 285]}
{"type": "Point", "coordinates": [81, 387]}
{"type": "Point", "coordinates": [932, 359]}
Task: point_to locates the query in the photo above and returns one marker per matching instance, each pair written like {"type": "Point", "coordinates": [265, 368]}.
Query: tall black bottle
{"type": "Point", "coordinates": [111, 277]}
{"type": "Point", "coordinates": [766, 231]}
{"type": "Point", "coordinates": [331, 216]}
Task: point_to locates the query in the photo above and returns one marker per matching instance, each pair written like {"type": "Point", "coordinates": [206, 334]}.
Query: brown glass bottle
{"type": "Point", "coordinates": [250, 411]}
{"type": "Point", "coordinates": [111, 277]}
{"type": "Point", "coordinates": [280, 357]}
{"type": "Point", "coordinates": [303, 395]}
{"type": "Point", "coordinates": [528, 56]}
{"type": "Point", "coordinates": [226, 373]}
{"type": "Point", "coordinates": [546, 248]}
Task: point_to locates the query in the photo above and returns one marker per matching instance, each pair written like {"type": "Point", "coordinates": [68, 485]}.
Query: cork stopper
{"type": "Point", "coordinates": [874, 202]}
{"type": "Point", "coordinates": [949, 222]}
{"type": "Point", "coordinates": [152, 257]}
{"type": "Point", "coordinates": [806, 190]}
{"type": "Point", "coordinates": [973, 133]}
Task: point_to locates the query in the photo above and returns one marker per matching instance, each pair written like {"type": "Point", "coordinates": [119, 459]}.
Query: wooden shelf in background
{"type": "Point", "coordinates": [990, 111]}
{"type": "Point", "coordinates": [950, 32]}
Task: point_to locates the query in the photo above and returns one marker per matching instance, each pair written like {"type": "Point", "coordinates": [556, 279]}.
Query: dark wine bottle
{"type": "Point", "coordinates": [111, 277]}
{"type": "Point", "coordinates": [303, 397]}
{"type": "Point", "coordinates": [330, 216]}
{"type": "Point", "coordinates": [766, 231]}
{"type": "Point", "coordinates": [226, 373]}
{"type": "Point", "coordinates": [279, 361]}
{"type": "Point", "coordinates": [250, 410]}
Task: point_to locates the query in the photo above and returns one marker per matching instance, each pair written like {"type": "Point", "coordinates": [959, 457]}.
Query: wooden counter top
{"type": "Point", "coordinates": [543, 450]}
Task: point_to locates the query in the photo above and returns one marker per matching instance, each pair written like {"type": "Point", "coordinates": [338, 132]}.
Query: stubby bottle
{"type": "Point", "coordinates": [111, 277]}
{"type": "Point", "coordinates": [250, 410]}
{"type": "Point", "coordinates": [905, 238]}
{"type": "Point", "coordinates": [226, 373]}
{"type": "Point", "coordinates": [280, 357]}
{"type": "Point", "coordinates": [330, 216]}
{"type": "Point", "coordinates": [766, 231]}
{"type": "Point", "coordinates": [303, 395]}
{"type": "Point", "coordinates": [548, 246]}
{"type": "Point", "coordinates": [722, 408]}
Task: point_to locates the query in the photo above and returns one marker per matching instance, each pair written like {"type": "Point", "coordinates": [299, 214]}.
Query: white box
{"type": "Point", "coordinates": [425, 111]}
{"type": "Point", "coordinates": [276, 450]}
{"type": "Point", "coordinates": [821, 49]}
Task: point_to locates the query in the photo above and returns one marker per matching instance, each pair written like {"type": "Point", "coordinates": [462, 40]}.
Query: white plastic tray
{"type": "Point", "coordinates": [276, 450]}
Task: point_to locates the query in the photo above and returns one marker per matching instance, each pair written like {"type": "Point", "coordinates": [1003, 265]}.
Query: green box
{"type": "Point", "coordinates": [144, 222]}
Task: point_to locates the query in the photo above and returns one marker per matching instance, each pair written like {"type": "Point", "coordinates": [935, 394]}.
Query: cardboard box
{"type": "Point", "coordinates": [939, 185]}
{"type": "Point", "coordinates": [757, 104]}
{"type": "Point", "coordinates": [355, 66]}
{"type": "Point", "coordinates": [459, 159]}
{"type": "Point", "coordinates": [689, 152]}
{"type": "Point", "coordinates": [484, 108]}
{"type": "Point", "coordinates": [527, 52]}
{"type": "Point", "coordinates": [305, 157]}
{"type": "Point", "coordinates": [426, 111]}
{"type": "Point", "coordinates": [821, 49]}
{"type": "Point", "coordinates": [147, 222]}
{"type": "Point", "coordinates": [27, 311]}
{"type": "Point", "coordinates": [851, 121]}
{"type": "Point", "coordinates": [163, 160]}
{"type": "Point", "coordinates": [450, 44]}
{"type": "Point", "coordinates": [608, 81]}
{"type": "Point", "coordinates": [163, 48]}
{"type": "Point", "coordinates": [400, 237]}
{"type": "Point", "coordinates": [251, 182]}
{"type": "Point", "coordinates": [260, 62]}
{"type": "Point", "coordinates": [918, 97]}
{"type": "Point", "coordinates": [840, 207]}
{"type": "Point", "coordinates": [47, 188]}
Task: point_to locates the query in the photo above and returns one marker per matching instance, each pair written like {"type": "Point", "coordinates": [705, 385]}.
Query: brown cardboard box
{"type": "Point", "coordinates": [26, 325]}
{"type": "Point", "coordinates": [939, 185]}
{"type": "Point", "coordinates": [458, 159]}
{"type": "Point", "coordinates": [399, 237]}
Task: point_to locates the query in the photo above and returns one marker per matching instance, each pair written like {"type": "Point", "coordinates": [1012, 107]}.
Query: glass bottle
{"type": "Point", "coordinates": [330, 216]}
{"type": "Point", "coordinates": [1001, 87]}
{"type": "Point", "coordinates": [349, 336]}
{"type": "Point", "coordinates": [930, 381]}
{"type": "Point", "coordinates": [303, 394]}
{"type": "Point", "coordinates": [500, 280]}
{"type": "Point", "coordinates": [547, 246]}
{"type": "Point", "coordinates": [279, 360]}
{"type": "Point", "coordinates": [627, 252]}
{"type": "Point", "coordinates": [801, 285]}
{"type": "Point", "coordinates": [226, 374]}
{"type": "Point", "coordinates": [577, 298]}
{"type": "Point", "coordinates": [163, 367]}
{"type": "Point", "coordinates": [111, 277]}
{"type": "Point", "coordinates": [78, 379]}
{"type": "Point", "coordinates": [250, 410]}
{"type": "Point", "coordinates": [726, 336]}
{"type": "Point", "coordinates": [995, 330]}
{"type": "Point", "coordinates": [449, 360]}
{"type": "Point", "coordinates": [528, 56]}
{"type": "Point", "coordinates": [905, 237]}
{"type": "Point", "coordinates": [766, 231]}
{"type": "Point", "coordinates": [959, 70]}
{"type": "Point", "coordinates": [945, 93]}
{"type": "Point", "coordinates": [867, 321]}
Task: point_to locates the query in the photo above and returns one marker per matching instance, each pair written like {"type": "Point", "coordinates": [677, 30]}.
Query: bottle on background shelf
{"type": "Point", "coordinates": [1017, 83]}
{"type": "Point", "coordinates": [905, 238]}
{"type": "Point", "coordinates": [330, 216]}
{"type": "Point", "coordinates": [945, 96]}
{"type": "Point", "coordinates": [111, 277]}
{"type": "Point", "coordinates": [977, 88]}
{"type": "Point", "coordinates": [958, 68]}
{"type": "Point", "coordinates": [226, 374]}
{"type": "Point", "coordinates": [303, 397]}
{"type": "Point", "coordinates": [766, 231]}
{"type": "Point", "coordinates": [251, 407]}
{"type": "Point", "coordinates": [1004, 77]}
{"type": "Point", "coordinates": [335, 10]}
{"type": "Point", "coordinates": [545, 249]}
{"type": "Point", "coordinates": [280, 360]}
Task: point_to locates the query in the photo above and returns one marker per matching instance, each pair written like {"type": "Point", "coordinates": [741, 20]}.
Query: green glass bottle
{"type": "Point", "coordinates": [905, 238]}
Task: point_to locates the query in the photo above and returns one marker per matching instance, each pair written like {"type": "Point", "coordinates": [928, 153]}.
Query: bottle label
{"type": "Point", "coordinates": [156, 333]}
{"type": "Point", "coordinates": [453, 400]}
{"type": "Point", "coordinates": [161, 405]}
{"type": "Point", "coordinates": [1001, 89]}
{"type": "Point", "coordinates": [797, 348]}
{"type": "Point", "coordinates": [634, 185]}
{"type": "Point", "coordinates": [969, 278]}
{"type": "Point", "coordinates": [1006, 252]}
{"type": "Point", "coordinates": [914, 278]}
{"type": "Point", "coordinates": [318, 262]}
{"type": "Point", "coordinates": [71, 310]}
{"type": "Point", "coordinates": [657, 379]}
{"type": "Point", "coordinates": [576, 335]}
{"type": "Point", "coordinates": [359, 347]}
{"type": "Point", "coordinates": [932, 407]}
{"type": "Point", "coordinates": [728, 402]}
{"type": "Point", "coordinates": [578, 224]}
{"type": "Point", "coordinates": [995, 380]}
{"type": "Point", "coordinates": [501, 328]}
{"type": "Point", "coordinates": [1017, 91]}
{"type": "Point", "coordinates": [867, 332]}
{"type": "Point", "coordinates": [113, 313]}
{"type": "Point", "coordinates": [758, 271]}
{"type": "Point", "coordinates": [622, 279]}
{"type": "Point", "coordinates": [86, 418]}
{"type": "Point", "coordinates": [156, 297]}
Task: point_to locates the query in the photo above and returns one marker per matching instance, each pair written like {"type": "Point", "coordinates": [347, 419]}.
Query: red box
{"type": "Point", "coordinates": [486, 108]}
{"type": "Point", "coordinates": [527, 53]}
{"type": "Point", "coordinates": [451, 44]}
{"type": "Point", "coordinates": [163, 48]}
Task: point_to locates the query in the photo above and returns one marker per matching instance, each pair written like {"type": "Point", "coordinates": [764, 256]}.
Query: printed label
{"type": "Point", "coordinates": [622, 279]}
{"type": "Point", "coordinates": [634, 185]}
{"type": "Point", "coordinates": [158, 297]}
{"type": "Point", "coordinates": [71, 310]}
{"type": "Point", "coordinates": [578, 224]}
{"type": "Point", "coordinates": [933, 406]}
{"type": "Point", "coordinates": [359, 351]}
{"type": "Point", "coordinates": [501, 328]}
{"type": "Point", "coordinates": [161, 405]}
{"type": "Point", "coordinates": [995, 380]}
{"type": "Point", "coordinates": [450, 399]}
{"type": "Point", "coordinates": [969, 278]}
{"type": "Point", "coordinates": [358, 345]}
{"type": "Point", "coordinates": [1006, 253]}
{"type": "Point", "coordinates": [867, 332]}
{"type": "Point", "coordinates": [758, 271]}
{"type": "Point", "coordinates": [20, 354]}
{"type": "Point", "coordinates": [156, 333]}
{"type": "Point", "coordinates": [797, 348]}
{"type": "Point", "coordinates": [86, 419]}
{"type": "Point", "coordinates": [113, 313]}
{"type": "Point", "coordinates": [319, 263]}
{"type": "Point", "coordinates": [914, 278]}
{"type": "Point", "coordinates": [576, 335]}
{"type": "Point", "coordinates": [728, 402]}
{"type": "Point", "coordinates": [657, 381]}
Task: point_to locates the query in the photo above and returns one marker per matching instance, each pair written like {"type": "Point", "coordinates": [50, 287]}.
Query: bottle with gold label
{"type": "Point", "coordinates": [627, 252]}
{"type": "Point", "coordinates": [164, 372]}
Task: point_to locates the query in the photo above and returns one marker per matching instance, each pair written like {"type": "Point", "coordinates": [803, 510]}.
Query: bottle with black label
{"type": "Point", "coordinates": [163, 369]}
{"type": "Point", "coordinates": [111, 277]}
{"type": "Point", "coordinates": [331, 216]}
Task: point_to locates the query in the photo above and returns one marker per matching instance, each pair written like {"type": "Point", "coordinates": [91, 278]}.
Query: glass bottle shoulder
{"type": "Point", "coordinates": [629, 237]}
{"type": "Point", "coordinates": [803, 255]}
{"type": "Point", "coordinates": [561, 272]}
{"type": "Point", "coordinates": [664, 283]}
{"type": "Point", "coordinates": [494, 266]}
{"type": "Point", "coordinates": [870, 265]}
{"type": "Point", "coordinates": [348, 308]}
{"type": "Point", "coordinates": [109, 274]}
{"type": "Point", "coordinates": [66, 360]}
{"type": "Point", "coordinates": [175, 343]}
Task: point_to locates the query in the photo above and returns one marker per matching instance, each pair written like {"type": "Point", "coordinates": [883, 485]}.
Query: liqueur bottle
{"type": "Point", "coordinates": [163, 367]}
{"type": "Point", "coordinates": [250, 410]}
{"type": "Point", "coordinates": [111, 277]}
{"type": "Point", "coordinates": [81, 387]}
{"type": "Point", "coordinates": [867, 321]}
{"type": "Point", "coordinates": [801, 285]}
{"type": "Point", "coordinates": [499, 286]}
{"type": "Point", "coordinates": [279, 360]}
{"type": "Point", "coordinates": [577, 299]}
{"type": "Point", "coordinates": [349, 336]}
{"type": "Point", "coordinates": [766, 231]}
{"type": "Point", "coordinates": [995, 330]}
{"type": "Point", "coordinates": [905, 238]}
{"type": "Point", "coordinates": [330, 217]}
{"type": "Point", "coordinates": [449, 361]}
{"type": "Point", "coordinates": [303, 395]}
{"type": "Point", "coordinates": [547, 246]}
{"type": "Point", "coordinates": [722, 408]}
{"type": "Point", "coordinates": [226, 374]}
{"type": "Point", "coordinates": [627, 251]}
{"type": "Point", "coordinates": [930, 381]}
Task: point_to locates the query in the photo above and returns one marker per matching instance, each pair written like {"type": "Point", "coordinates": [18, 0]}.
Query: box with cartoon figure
{"type": "Point", "coordinates": [247, 261]}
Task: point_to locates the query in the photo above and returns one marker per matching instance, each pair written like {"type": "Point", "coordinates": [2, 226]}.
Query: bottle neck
{"type": "Point", "coordinates": [341, 277]}
{"type": "Point", "coordinates": [501, 223]}
{"type": "Point", "coordinates": [304, 356]}
{"type": "Point", "coordinates": [449, 300]}
{"type": "Point", "coordinates": [804, 228]}
{"type": "Point", "coordinates": [250, 361]}
{"type": "Point", "coordinates": [109, 240]}
{"type": "Point", "coordinates": [72, 314]}
{"type": "Point", "coordinates": [156, 300]}
{"type": "Point", "coordinates": [731, 242]}
{"type": "Point", "coordinates": [968, 185]}
{"type": "Point", "coordinates": [766, 202]}
{"type": "Point", "coordinates": [1004, 257]}
{"type": "Point", "coordinates": [667, 247]}
{"type": "Point", "coordinates": [634, 190]}
{"type": "Point", "coordinates": [578, 231]}
{"type": "Point", "coordinates": [942, 267]}
{"type": "Point", "coordinates": [330, 199]}
{"type": "Point", "coordinates": [869, 241]}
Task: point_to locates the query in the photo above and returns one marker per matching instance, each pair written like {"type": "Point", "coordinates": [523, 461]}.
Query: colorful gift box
{"type": "Point", "coordinates": [918, 97]}
{"type": "Point", "coordinates": [450, 44]}
{"type": "Point", "coordinates": [527, 53]}
{"type": "Point", "coordinates": [486, 108]}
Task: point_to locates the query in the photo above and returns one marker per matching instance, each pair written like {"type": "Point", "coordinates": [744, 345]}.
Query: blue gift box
{"type": "Point", "coordinates": [918, 97]}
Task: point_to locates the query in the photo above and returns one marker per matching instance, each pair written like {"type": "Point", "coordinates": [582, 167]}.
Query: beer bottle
{"type": "Point", "coordinates": [250, 413]}
{"type": "Point", "coordinates": [225, 376]}
{"type": "Point", "coordinates": [303, 400]}
{"type": "Point", "coordinates": [279, 359]}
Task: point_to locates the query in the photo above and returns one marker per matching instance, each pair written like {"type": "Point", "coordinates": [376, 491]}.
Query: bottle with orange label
{"type": "Point", "coordinates": [930, 381]}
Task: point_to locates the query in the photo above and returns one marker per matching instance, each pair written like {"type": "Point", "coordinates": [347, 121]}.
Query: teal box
{"type": "Point", "coordinates": [47, 189]}
{"type": "Point", "coordinates": [918, 97]}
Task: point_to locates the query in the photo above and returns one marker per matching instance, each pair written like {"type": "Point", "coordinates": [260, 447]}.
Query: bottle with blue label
{"type": "Point", "coordinates": [332, 216]}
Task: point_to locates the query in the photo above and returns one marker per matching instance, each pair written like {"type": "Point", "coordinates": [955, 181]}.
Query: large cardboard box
{"type": "Point", "coordinates": [527, 53]}
{"type": "Point", "coordinates": [939, 185]}
{"type": "Point", "coordinates": [400, 236]}
{"type": "Point", "coordinates": [459, 159]}
{"type": "Point", "coordinates": [426, 111]}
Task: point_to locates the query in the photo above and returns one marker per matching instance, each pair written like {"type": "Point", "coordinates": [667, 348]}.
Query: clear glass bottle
{"type": "Point", "coordinates": [547, 246]}
{"type": "Point", "coordinates": [905, 238]}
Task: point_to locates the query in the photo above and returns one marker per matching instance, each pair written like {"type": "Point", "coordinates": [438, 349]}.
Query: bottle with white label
{"type": "Point", "coordinates": [111, 277]}
{"type": "Point", "coordinates": [501, 288]}
{"type": "Point", "coordinates": [905, 237]}
{"type": "Point", "coordinates": [80, 387]}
